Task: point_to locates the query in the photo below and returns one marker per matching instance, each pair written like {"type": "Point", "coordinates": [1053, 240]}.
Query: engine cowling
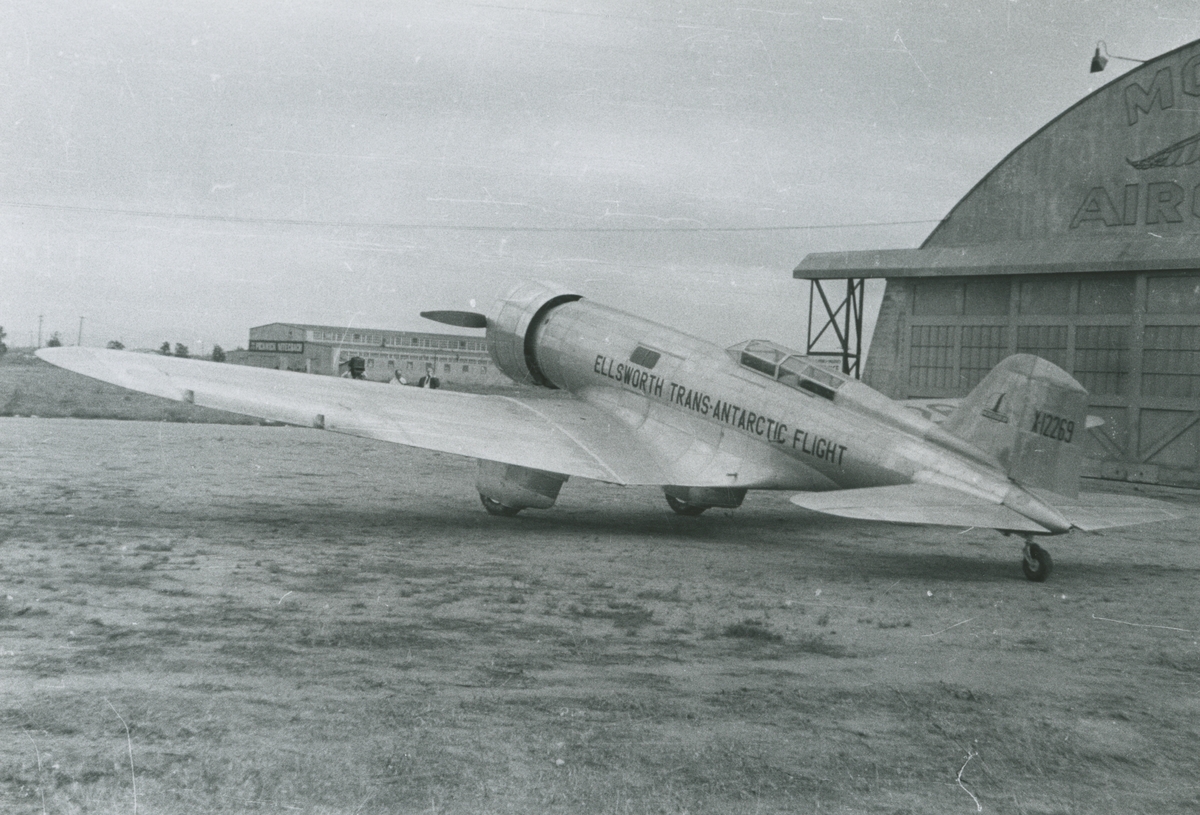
{"type": "Point", "coordinates": [507, 488]}
{"type": "Point", "coordinates": [512, 329]}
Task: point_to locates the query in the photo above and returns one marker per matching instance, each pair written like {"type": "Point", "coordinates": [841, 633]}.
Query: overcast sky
{"type": "Point", "coordinates": [182, 171]}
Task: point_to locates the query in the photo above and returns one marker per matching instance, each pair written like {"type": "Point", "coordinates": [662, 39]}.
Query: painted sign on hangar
{"type": "Point", "coordinates": [1124, 161]}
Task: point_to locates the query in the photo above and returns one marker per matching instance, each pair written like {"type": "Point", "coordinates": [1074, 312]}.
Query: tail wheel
{"type": "Point", "coordinates": [1036, 563]}
{"type": "Point", "coordinates": [683, 507]}
{"type": "Point", "coordinates": [494, 507]}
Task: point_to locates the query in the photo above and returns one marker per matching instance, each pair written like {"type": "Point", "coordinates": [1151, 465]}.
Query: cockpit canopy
{"type": "Point", "coordinates": [789, 367]}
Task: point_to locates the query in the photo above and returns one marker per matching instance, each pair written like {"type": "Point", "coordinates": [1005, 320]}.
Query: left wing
{"type": "Point", "coordinates": [559, 435]}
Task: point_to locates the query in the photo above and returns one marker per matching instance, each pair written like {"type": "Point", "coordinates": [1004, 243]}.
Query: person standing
{"type": "Point", "coordinates": [429, 380]}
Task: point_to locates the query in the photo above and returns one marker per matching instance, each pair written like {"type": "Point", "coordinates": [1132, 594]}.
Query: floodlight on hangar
{"type": "Point", "coordinates": [1100, 60]}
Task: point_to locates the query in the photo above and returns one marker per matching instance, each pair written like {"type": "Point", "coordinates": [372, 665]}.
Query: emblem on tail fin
{"type": "Point", "coordinates": [994, 413]}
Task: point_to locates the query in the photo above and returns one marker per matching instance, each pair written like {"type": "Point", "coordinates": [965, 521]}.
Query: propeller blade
{"type": "Point", "coordinates": [462, 319]}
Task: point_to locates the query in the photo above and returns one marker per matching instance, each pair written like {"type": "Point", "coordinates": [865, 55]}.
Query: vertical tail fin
{"type": "Point", "coordinates": [1031, 415]}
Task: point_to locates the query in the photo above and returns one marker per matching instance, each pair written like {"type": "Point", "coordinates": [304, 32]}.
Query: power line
{"type": "Point", "coordinates": [237, 219]}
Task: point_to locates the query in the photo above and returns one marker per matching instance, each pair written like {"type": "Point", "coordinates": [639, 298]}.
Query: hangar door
{"type": "Point", "coordinates": [1133, 340]}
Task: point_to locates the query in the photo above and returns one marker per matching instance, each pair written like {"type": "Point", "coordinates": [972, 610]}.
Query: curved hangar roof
{"type": "Point", "coordinates": [1111, 184]}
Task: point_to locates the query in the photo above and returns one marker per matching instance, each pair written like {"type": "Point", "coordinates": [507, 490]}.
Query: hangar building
{"type": "Point", "coordinates": [1081, 246]}
{"type": "Point", "coordinates": [324, 349]}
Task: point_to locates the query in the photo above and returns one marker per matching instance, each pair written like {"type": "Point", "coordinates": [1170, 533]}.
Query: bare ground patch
{"type": "Point", "coordinates": [289, 621]}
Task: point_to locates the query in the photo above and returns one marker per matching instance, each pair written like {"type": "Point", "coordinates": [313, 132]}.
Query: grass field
{"type": "Point", "coordinates": [217, 619]}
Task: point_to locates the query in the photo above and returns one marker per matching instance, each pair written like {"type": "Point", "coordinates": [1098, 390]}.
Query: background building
{"type": "Point", "coordinates": [1082, 246]}
{"type": "Point", "coordinates": [458, 360]}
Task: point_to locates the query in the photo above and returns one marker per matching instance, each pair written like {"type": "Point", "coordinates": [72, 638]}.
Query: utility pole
{"type": "Point", "coordinates": [79, 339]}
{"type": "Point", "coordinates": [41, 317]}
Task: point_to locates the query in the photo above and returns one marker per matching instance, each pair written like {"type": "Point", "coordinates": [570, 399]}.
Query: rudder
{"type": "Point", "coordinates": [1031, 415]}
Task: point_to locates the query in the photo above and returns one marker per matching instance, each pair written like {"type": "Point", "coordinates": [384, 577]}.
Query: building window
{"type": "Point", "coordinates": [931, 367]}
{"type": "Point", "coordinates": [466, 369]}
{"type": "Point", "coordinates": [358, 337]}
{"type": "Point", "coordinates": [1102, 358]}
{"type": "Point", "coordinates": [446, 368]}
{"type": "Point", "coordinates": [409, 365]}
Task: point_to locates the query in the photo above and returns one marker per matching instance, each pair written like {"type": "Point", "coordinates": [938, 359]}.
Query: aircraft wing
{"type": "Point", "coordinates": [560, 435]}
{"type": "Point", "coordinates": [917, 504]}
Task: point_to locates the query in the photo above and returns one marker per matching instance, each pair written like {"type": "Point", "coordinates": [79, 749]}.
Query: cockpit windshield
{"type": "Point", "coordinates": [787, 366]}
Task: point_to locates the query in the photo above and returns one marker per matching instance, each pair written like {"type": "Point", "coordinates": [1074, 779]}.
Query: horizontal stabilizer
{"type": "Point", "coordinates": [917, 504]}
{"type": "Point", "coordinates": [942, 506]}
{"type": "Point", "coordinates": [1091, 511]}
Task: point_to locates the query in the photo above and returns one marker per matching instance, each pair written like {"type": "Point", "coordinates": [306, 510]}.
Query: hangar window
{"type": "Point", "coordinates": [981, 349]}
{"type": "Point", "coordinates": [1111, 294]}
{"type": "Point", "coordinates": [1047, 341]}
{"type": "Point", "coordinates": [931, 367]}
{"type": "Point", "coordinates": [1045, 295]}
{"type": "Point", "coordinates": [1171, 361]}
{"type": "Point", "coordinates": [644, 356]}
{"type": "Point", "coordinates": [1173, 295]}
{"type": "Point", "coordinates": [1102, 358]}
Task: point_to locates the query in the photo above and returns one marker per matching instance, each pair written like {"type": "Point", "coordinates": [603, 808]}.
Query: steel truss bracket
{"type": "Point", "coordinates": [843, 322]}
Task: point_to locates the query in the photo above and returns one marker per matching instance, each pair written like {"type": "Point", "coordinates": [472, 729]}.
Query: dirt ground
{"type": "Point", "coordinates": [211, 619]}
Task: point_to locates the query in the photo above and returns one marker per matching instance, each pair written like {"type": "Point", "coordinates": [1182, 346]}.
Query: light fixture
{"type": "Point", "coordinates": [1099, 60]}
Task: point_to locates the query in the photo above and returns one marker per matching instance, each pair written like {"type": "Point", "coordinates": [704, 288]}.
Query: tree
{"type": "Point", "coordinates": [3, 347]}
{"type": "Point", "coordinates": [116, 345]}
{"type": "Point", "coordinates": [181, 350]}
{"type": "Point", "coordinates": [218, 354]}
{"type": "Point", "coordinates": [55, 341]}
{"type": "Point", "coordinates": [165, 349]}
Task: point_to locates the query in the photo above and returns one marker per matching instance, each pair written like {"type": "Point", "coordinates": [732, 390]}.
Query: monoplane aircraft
{"type": "Point", "coordinates": [655, 406]}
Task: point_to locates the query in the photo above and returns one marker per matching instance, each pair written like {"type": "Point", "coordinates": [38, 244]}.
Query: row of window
{"type": "Point", "coordinates": [397, 340]}
{"type": "Point", "coordinates": [410, 365]}
{"type": "Point", "coordinates": [1100, 358]}
{"type": "Point", "coordinates": [1056, 294]}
